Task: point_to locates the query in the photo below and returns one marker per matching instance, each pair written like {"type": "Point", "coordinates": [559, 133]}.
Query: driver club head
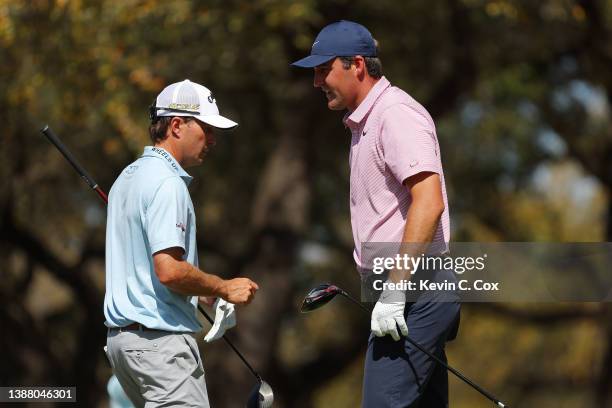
{"type": "Point", "coordinates": [319, 296]}
{"type": "Point", "coordinates": [261, 396]}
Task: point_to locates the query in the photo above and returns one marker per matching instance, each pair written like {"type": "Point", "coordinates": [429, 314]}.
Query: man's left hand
{"type": "Point", "coordinates": [388, 314]}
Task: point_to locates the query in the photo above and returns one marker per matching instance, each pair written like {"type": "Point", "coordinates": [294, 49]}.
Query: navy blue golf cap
{"type": "Point", "coordinates": [340, 39]}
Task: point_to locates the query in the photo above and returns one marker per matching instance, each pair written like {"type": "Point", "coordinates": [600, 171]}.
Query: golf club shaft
{"type": "Point", "coordinates": [79, 169]}
{"type": "Point", "coordinates": [73, 162]}
{"type": "Point", "coordinates": [435, 358]}
{"type": "Point", "coordinates": [229, 343]}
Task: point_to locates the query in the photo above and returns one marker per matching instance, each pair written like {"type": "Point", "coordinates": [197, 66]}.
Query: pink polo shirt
{"type": "Point", "coordinates": [393, 138]}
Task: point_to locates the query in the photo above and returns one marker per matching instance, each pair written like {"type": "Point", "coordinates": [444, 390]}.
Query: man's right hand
{"type": "Point", "coordinates": [239, 291]}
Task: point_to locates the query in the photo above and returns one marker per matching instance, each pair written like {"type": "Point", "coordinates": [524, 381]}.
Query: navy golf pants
{"type": "Point", "coordinates": [397, 374]}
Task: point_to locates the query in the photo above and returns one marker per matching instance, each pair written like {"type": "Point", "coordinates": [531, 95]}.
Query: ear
{"type": "Point", "coordinates": [175, 127]}
{"type": "Point", "coordinates": [360, 67]}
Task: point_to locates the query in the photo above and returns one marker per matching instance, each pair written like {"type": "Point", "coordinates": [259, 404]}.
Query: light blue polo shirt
{"type": "Point", "coordinates": [149, 209]}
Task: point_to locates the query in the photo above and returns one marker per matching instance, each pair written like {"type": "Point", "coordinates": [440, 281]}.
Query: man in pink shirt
{"type": "Point", "coordinates": [397, 196]}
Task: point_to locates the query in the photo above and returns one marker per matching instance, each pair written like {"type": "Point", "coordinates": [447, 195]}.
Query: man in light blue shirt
{"type": "Point", "coordinates": [152, 276]}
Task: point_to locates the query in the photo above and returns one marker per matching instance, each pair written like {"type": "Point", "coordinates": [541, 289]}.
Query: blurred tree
{"type": "Point", "coordinates": [519, 90]}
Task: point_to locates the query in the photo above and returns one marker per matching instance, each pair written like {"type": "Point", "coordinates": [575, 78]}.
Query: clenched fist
{"type": "Point", "coordinates": [239, 291]}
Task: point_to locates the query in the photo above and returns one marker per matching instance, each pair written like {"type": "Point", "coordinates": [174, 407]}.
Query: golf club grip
{"type": "Point", "coordinates": [71, 159]}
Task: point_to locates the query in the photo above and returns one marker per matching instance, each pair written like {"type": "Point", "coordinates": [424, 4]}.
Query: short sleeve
{"type": "Point", "coordinates": [167, 215]}
{"type": "Point", "coordinates": [409, 143]}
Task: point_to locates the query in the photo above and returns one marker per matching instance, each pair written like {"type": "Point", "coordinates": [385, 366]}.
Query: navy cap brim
{"type": "Point", "coordinates": [312, 61]}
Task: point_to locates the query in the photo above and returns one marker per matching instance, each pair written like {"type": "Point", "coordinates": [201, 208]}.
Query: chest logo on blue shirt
{"type": "Point", "coordinates": [181, 226]}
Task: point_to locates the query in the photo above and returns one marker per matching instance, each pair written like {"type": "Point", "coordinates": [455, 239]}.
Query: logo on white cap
{"type": "Point", "coordinates": [185, 106]}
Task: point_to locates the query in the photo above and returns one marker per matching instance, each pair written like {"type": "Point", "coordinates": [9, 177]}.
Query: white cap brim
{"type": "Point", "coordinates": [217, 121]}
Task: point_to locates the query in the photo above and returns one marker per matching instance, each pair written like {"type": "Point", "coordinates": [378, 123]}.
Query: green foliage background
{"type": "Point", "coordinates": [521, 94]}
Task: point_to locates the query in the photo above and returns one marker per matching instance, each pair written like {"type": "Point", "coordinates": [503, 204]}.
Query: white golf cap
{"type": "Point", "coordinates": [187, 98]}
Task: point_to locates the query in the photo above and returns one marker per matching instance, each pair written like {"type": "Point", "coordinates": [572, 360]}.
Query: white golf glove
{"type": "Point", "coordinates": [225, 318]}
{"type": "Point", "coordinates": [388, 314]}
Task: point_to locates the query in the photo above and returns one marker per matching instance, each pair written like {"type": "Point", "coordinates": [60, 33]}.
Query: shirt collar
{"type": "Point", "coordinates": [352, 119]}
{"type": "Point", "coordinates": [160, 153]}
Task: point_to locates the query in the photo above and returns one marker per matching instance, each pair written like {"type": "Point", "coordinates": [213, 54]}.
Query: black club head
{"type": "Point", "coordinates": [319, 296]}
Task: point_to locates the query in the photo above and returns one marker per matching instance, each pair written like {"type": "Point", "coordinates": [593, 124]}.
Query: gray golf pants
{"type": "Point", "coordinates": [158, 368]}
